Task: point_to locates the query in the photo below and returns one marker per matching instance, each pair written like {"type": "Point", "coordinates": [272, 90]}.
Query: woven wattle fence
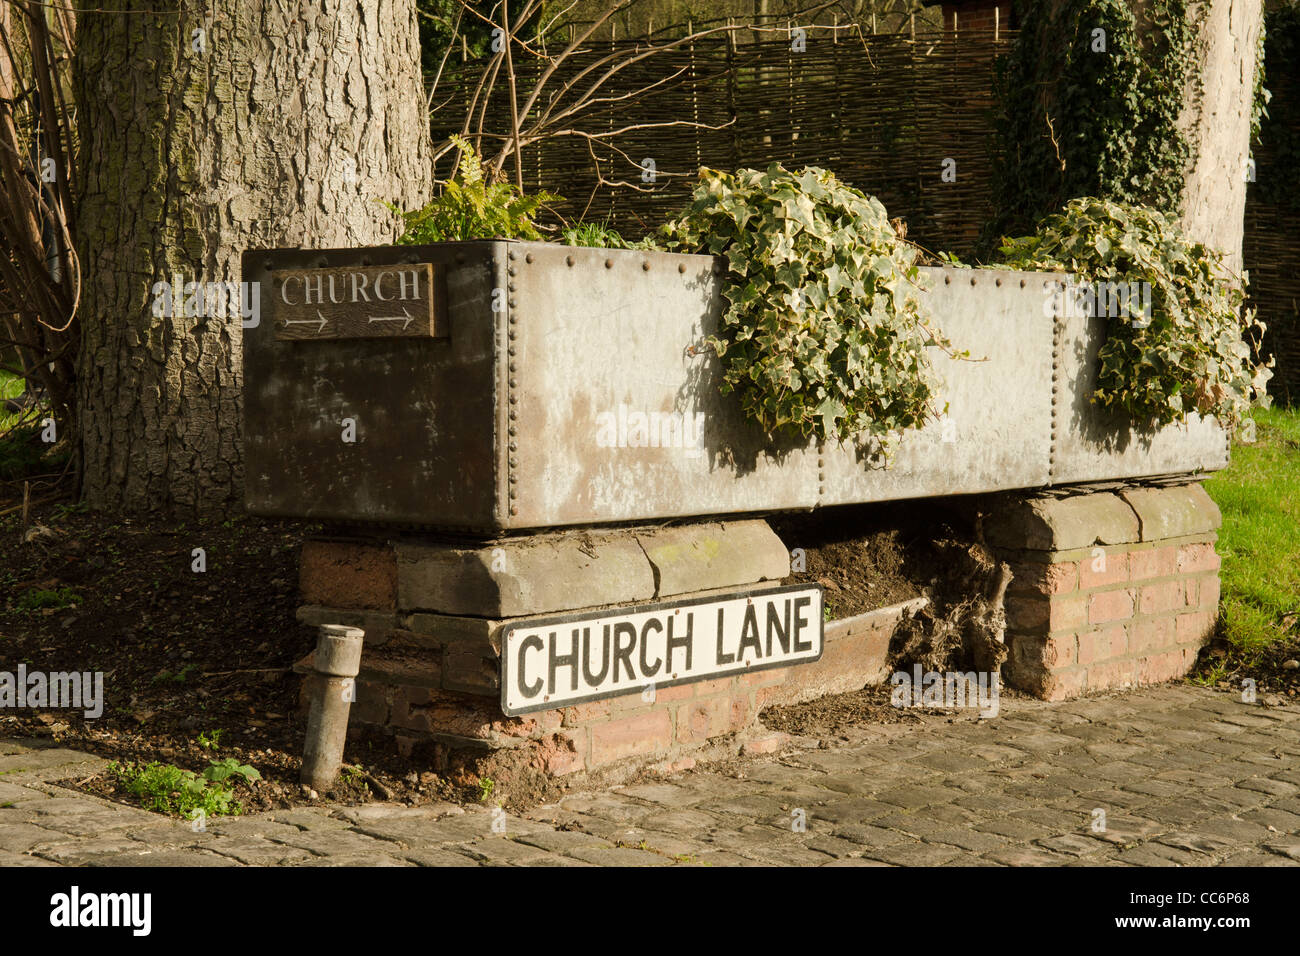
{"type": "Point", "coordinates": [885, 112]}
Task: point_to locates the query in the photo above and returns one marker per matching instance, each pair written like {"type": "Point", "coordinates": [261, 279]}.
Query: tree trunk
{"type": "Point", "coordinates": [1217, 122]}
{"type": "Point", "coordinates": [207, 129]}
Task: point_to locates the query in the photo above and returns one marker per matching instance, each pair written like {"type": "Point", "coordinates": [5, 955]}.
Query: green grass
{"type": "Point", "coordinates": [1259, 495]}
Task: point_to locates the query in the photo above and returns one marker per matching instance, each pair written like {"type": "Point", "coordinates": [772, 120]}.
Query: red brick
{"type": "Point", "coordinates": [580, 714]}
{"type": "Point", "coordinates": [700, 720]}
{"type": "Point", "coordinates": [1058, 685]}
{"type": "Point", "coordinates": [558, 755]}
{"type": "Point", "coordinates": [1197, 557]}
{"type": "Point", "coordinates": [630, 736]}
{"type": "Point", "coordinates": [723, 685]}
{"type": "Point", "coordinates": [1046, 652]}
{"type": "Point", "coordinates": [464, 715]}
{"type": "Point", "coordinates": [371, 705]}
{"type": "Point", "coordinates": [1068, 614]}
{"type": "Point", "coordinates": [767, 678]}
{"type": "Point", "coordinates": [668, 695]}
{"type": "Point", "coordinates": [741, 712]}
{"type": "Point", "coordinates": [767, 696]}
{"type": "Point", "coordinates": [1116, 572]}
{"type": "Point", "coordinates": [1195, 628]}
{"type": "Point", "coordinates": [346, 574]}
{"type": "Point", "coordinates": [1209, 597]}
{"type": "Point", "coordinates": [1153, 563]}
{"type": "Point", "coordinates": [1044, 579]}
{"type": "Point", "coordinates": [1107, 606]}
{"type": "Point", "coordinates": [1162, 598]}
{"type": "Point", "coordinates": [1156, 634]}
{"type": "Point", "coordinates": [1110, 675]}
{"type": "Point", "coordinates": [548, 720]}
{"type": "Point", "coordinates": [1103, 645]}
{"type": "Point", "coordinates": [1162, 667]}
{"type": "Point", "coordinates": [1027, 614]}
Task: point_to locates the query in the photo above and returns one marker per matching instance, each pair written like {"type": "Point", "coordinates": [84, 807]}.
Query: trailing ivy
{"type": "Point", "coordinates": [824, 335]}
{"type": "Point", "coordinates": [1189, 351]}
{"type": "Point", "coordinates": [1089, 101]}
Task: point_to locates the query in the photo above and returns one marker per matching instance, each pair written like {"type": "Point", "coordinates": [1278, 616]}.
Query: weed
{"type": "Point", "coordinates": [165, 788]}
{"type": "Point", "coordinates": [35, 599]}
{"type": "Point", "coordinates": [210, 740]}
{"type": "Point", "coordinates": [485, 787]}
{"type": "Point", "coordinates": [177, 678]}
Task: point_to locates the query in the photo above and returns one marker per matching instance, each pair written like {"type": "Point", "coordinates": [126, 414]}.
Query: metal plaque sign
{"type": "Point", "coordinates": [554, 662]}
{"type": "Point", "coordinates": [359, 302]}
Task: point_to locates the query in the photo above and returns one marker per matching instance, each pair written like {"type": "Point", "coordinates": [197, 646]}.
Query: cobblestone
{"type": "Point", "coordinates": [1185, 775]}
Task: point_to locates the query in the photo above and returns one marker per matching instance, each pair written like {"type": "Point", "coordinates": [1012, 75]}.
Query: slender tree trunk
{"type": "Point", "coordinates": [1216, 118]}
{"type": "Point", "coordinates": [208, 128]}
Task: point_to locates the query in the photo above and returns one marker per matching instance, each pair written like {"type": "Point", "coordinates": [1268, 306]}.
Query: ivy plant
{"type": "Point", "coordinates": [1192, 351]}
{"type": "Point", "coordinates": [471, 206]}
{"type": "Point", "coordinates": [824, 335]}
{"type": "Point", "coordinates": [1089, 105]}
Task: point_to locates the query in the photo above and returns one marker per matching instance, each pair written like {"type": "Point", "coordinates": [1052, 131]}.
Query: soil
{"type": "Point", "coordinates": [1224, 667]}
{"type": "Point", "coordinates": [870, 556]}
{"type": "Point", "coordinates": [183, 652]}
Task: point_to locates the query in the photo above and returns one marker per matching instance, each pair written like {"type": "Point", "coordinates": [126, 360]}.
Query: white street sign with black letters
{"type": "Point", "coordinates": [557, 661]}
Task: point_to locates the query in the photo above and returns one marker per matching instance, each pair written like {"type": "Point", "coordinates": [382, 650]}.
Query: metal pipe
{"type": "Point", "coordinates": [337, 662]}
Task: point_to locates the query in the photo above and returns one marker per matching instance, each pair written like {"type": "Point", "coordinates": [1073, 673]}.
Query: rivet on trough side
{"type": "Point", "coordinates": [947, 280]}
{"type": "Point", "coordinates": [972, 280]}
{"type": "Point", "coordinates": [514, 511]}
{"type": "Point", "coordinates": [528, 258]}
{"type": "Point", "coordinates": [681, 267]}
{"type": "Point", "coordinates": [645, 267]}
{"type": "Point", "coordinates": [511, 303]}
{"type": "Point", "coordinates": [510, 287]}
{"type": "Point", "coordinates": [568, 260]}
{"type": "Point", "coordinates": [512, 432]}
{"type": "Point", "coordinates": [510, 271]}
{"type": "Point", "coordinates": [267, 265]}
{"type": "Point", "coordinates": [1022, 283]}
{"type": "Point", "coordinates": [511, 255]}
{"type": "Point", "coordinates": [609, 263]}
{"type": "Point", "coordinates": [460, 257]}
{"type": "Point", "coordinates": [998, 283]}
{"type": "Point", "coordinates": [365, 260]}
{"type": "Point", "coordinates": [322, 263]}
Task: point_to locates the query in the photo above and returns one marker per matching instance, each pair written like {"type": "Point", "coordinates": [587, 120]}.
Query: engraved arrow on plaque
{"type": "Point", "coordinates": [319, 323]}
{"type": "Point", "coordinates": [395, 318]}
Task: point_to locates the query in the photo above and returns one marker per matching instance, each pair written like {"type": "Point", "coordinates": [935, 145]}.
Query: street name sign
{"type": "Point", "coordinates": [557, 661]}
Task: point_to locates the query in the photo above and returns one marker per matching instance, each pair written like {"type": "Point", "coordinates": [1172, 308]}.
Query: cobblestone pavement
{"type": "Point", "coordinates": [1184, 776]}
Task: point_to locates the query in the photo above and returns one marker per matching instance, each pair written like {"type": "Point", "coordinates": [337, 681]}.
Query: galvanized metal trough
{"type": "Point", "coordinates": [563, 386]}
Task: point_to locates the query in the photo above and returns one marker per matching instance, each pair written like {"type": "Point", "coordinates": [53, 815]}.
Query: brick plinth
{"type": "Point", "coordinates": [432, 678]}
{"type": "Point", "coordinates": [1111, 589]}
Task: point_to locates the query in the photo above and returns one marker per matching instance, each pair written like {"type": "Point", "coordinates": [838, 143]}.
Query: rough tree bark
{"type": "Point", "coordinates": [207, 128]}
{"type": "Point", "coordinates": [1216, 118]}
